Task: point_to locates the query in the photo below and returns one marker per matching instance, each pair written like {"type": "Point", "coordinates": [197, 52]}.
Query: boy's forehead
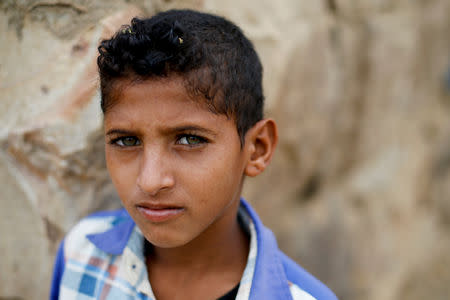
{"type": "Point", "coordinates": [177, 85]}
{"type": "Point", "coordinates": [164, 103]}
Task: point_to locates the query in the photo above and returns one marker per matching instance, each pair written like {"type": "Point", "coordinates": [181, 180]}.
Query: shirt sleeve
{"type": "Point", "coordinates": [58, 270]}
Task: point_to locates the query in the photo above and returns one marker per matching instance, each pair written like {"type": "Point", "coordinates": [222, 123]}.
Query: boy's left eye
{"type": "Point", "coordinates": [127, 141]}
{"type": "Point", "coordinates": [190, 140]}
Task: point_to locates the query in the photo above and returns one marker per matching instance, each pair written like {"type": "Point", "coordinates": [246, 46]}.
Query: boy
{"type": "Point", "coordinates": [183, 117]}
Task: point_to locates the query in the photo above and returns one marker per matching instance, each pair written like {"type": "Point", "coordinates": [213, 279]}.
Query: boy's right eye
{"type": "Point", "coordinates": [127, 141]}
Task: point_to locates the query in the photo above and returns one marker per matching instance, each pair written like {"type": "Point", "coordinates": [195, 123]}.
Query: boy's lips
{"type": "Point", "coordinates": [159, 212]}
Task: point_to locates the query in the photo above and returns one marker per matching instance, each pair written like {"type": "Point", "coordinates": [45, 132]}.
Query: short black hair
{"type": "Point", "coordinates": [210, 53]}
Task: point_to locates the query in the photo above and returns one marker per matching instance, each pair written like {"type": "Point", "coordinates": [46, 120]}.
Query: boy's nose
{"type": "Point", "coordinates": [154, 174]}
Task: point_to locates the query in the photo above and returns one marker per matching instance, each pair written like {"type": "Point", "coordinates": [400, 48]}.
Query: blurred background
{"type": "Point", "coordinates": [359, 190]}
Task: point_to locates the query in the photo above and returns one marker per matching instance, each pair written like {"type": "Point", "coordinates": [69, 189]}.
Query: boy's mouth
{"type": "Point", "coordinates": [159, 212]}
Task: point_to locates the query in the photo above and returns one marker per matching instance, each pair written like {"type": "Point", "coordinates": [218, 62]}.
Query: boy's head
{"type": "Point", "coordinates": [216, 61]}
{"type": "Point", "coordinates": [175, 88]}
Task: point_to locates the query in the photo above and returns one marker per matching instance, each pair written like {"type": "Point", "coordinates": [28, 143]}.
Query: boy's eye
{"type": "Point", "coordinates": [190, 140]}
{"type": "Point", "coordinates": [128, 141]}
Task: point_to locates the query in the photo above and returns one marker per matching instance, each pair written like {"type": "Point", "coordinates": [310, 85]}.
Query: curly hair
{"type": "Point", "coordinates": [211, 54]}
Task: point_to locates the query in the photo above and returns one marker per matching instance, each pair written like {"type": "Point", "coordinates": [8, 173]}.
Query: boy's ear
{"type": "Point", "coordinates": [260, 143]}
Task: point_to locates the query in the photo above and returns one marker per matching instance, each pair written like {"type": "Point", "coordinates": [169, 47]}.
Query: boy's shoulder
{"type": "Point", "coordinates": [301, 280]}
{"type": "Point", "coordinates": [276, 275]}
{"type": "Point", "coordinates": [94, 255]}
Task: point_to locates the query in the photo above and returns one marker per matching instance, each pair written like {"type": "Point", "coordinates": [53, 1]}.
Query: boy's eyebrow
{"type": "Point", "coordinates": [190, 128]}
{"type": "Point", "coordinates": [120, 131]}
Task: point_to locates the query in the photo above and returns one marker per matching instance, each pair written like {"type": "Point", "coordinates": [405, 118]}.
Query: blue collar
{"type": "Point", "coordinates": [114, 240]}
{"type": "Point", "coordinates": [269, 279]}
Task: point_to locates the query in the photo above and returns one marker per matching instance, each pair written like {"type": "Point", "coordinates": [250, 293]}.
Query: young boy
{"type": "Point", "coordinates": [183, 118]}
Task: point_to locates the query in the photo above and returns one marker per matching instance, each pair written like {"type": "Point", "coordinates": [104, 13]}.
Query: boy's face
{"type": "Point", "coordinates": [178, 168]}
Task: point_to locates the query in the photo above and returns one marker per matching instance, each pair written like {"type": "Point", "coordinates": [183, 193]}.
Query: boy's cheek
{"type": "Point", "coordinates": [121, 174]}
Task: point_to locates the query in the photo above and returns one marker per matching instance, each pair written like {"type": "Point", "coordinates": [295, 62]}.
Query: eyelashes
{"type": "Point", "coordinates": [190, 140]}
{"type": "Point", "coordinates": [126, 141]}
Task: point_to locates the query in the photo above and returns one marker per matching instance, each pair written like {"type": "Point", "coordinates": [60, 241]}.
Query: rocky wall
{"type": "Point", "coordinates": [359, 190]}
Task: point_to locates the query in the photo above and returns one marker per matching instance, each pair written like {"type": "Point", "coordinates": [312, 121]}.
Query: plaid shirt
{"type": "Point", "coordinates": [103, 258]}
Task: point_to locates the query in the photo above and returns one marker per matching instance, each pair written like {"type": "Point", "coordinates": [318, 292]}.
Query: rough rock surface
{"type": "Point", "coordinates": [359, 190]}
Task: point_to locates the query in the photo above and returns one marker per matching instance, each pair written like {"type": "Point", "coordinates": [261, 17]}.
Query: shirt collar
{"type": "Point", "coordinates": [114, 240]}
{"type": "Point", "coordinates": [269, 279]}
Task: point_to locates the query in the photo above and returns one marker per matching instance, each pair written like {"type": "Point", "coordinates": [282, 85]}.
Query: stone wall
{"type": "Point", "coordinates": [359, 190]}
